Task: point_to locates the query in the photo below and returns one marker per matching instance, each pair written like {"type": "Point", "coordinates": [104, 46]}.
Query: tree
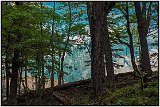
{"type": "Point", "coordinates": [52, 53]}
{"type": "Point", "coordinates": [15, 66]}
{"type": "Point", "coordinates": [128, 24]}
{"type": "Point", "coordinates": [97, 15]}
{"type": "Point", "coordinates": [143, 25]}
{"type": "Point", "coordinates": [107, 47]}
{"type": "Point", "coordinates": [20, 39]}
{"type": "Point", "coordinates": [61, 80]}
{"type": "Point", "coordinates": [72, 26]}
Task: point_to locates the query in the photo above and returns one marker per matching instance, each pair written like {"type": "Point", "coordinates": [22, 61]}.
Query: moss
{"type": "Point", "coordinates": [129, 95]}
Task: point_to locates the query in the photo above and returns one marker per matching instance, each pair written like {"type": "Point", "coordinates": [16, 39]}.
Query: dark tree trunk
{"type": "Point", "coordinates": [38, 61]}
{"type": "Point", "coordinates": [68, 35]}
{"type": "Point", "coordinates": [42, 53]}
{"type": "Point", "coordinates": [52, 54]}
{"type": "Point", "coordinates": [26, 75]}
{"type": "Point", "coordinates": [43, 76]}
{"type": "Point", "coordinates": [15, 67]}
{"type": "Point", "coordinates": [52, 73]}
{"type": "Point", "coordinates": [7, 74]}
{"type": "Point", "coordinates": [143, 31]}
{"type": "Point", "coordinates": [97, 13]}
{"type": "Point", "coordinates": [59, 70]}
{"type": "Point", "coordinates": [20, 80]}
{"type": "Point", "coordinates": [108, 54]}
{"type": "Point", "coordinates": [97, 53]}
{"type": "Point", "coordinates": [130, 41]}
{"type": "Point", "coordinates": [62, 72]}
{"type": "Point", "coordinates": [39, 76]}
{"type": "Point", "coordinates": [14, 82]}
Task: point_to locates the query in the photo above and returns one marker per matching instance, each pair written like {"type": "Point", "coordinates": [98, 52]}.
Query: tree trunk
{"type": "Point", "coordinates": [42, 53]}
{"type": "Point", "coordinates": [97, 13]}
{"type": "Point", "coordinates": [26, 75]}
{"type": "Point", "coordinates": [20, 80]}
{"type": "Point", "coordinates": [61, 73]}
{"type": "Point", "coordinates": [52, 73]}
{"type": "Point", "coordinates": [7, 75]}
{"type": "Point", "coordinates": [43, 76]}
{"type": "Point", "coordinates": [130, 41]}
{"type": "Point", "coordinates": [39, 76]}
{"type": "Point", "coordinates": [14, 82]}
{"type": "Point", "coordinates": [108, 54]}
{"type": "Point", "coordinates": [143, 31]}
{"type": "Point", "coordinates": [72, 84]}
{"type": "Point", "coordinates": [15, 68]}
{"type": "Point", "coordinates": [97, 53]}
{"type": "Point", "coordinates": [38, 61]}
{"type": "Point", "coordinates": [59, 70]}
{"type": "Point", "coordinates": [52, 54]}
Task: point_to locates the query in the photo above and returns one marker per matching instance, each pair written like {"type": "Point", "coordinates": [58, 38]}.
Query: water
{"type": "Point", "coordinates": [77, 65]}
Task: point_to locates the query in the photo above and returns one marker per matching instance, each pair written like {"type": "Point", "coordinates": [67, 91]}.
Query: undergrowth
{"type": "Point", "coordinates": [129, 95]}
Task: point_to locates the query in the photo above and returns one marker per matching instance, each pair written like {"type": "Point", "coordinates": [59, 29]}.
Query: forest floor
{"type": "Point", "coordinates": [126, 91]}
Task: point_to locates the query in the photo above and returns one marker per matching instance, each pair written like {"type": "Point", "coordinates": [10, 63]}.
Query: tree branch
{"type": "Point", "coordinates": [144, 8]}
{"type": "Point", "coordinates": [108, 6]}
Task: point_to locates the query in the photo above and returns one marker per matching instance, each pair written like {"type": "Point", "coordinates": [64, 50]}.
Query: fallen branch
{"type": "Point", "coordinates": [87, 81]}
{"type": "Point", "coordinates": [72, 84]}
{"type": "Point", "coordinates": [152, 77]}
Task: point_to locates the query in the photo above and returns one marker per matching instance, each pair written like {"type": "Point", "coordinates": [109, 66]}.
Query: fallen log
{"type": "Point", "coordinates": [117, 76]}
{"type": "Point", "coordinates": [87, 81]}
{"type": "Point", "coordinates": [154, 77]}
{"type": "Point", "coordinates": [72, 84]}
{"type": "Point", "coordinates": [59, 99]}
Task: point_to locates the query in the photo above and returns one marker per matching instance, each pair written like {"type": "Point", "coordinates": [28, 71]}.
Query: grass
{"type": "Point", "coordinates": [129, 95]}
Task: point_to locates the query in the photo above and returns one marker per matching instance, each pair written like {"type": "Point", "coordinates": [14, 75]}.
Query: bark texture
{"type": "Point", "coordinates": [130, 40]}
{"type": "Point", "coordinates": [15, 66]}
{"type": "Point", "coordinates": [97, 12]}
{"type": "Point", "coordinates": [143, 31]}
{"type": "Point", "coordinates": [14, 78]}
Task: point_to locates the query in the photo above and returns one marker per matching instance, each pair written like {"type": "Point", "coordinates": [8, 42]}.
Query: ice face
{"type": "Point", "coordinates": [77, 66]}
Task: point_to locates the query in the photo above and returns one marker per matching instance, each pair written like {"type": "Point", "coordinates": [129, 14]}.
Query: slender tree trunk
{"type": "Point", "coordinates": [59, 70]}
{"type": "Point", "coordinates": [7, 75]}
{"type": "Point", "coordinates": [143, 31]}
{"type": "Point", "coordinates": [52, 54]}
{"type": "Point", "coordinates": [26, 75]}
{"type": "Point", "coordinates": [39, 76]}
{"type": "Point", "coordinates": [68, 35]}
{"type": "Point", "coordinates": [42, 53]}
{"type": "Point", "coordinates": [62, 74]}
{"type": "Point", "coordinates": [38, 61]}
{"type": "Point", "coordinates": [130, 41]}
{"type": "Point", "coordinates": [43, 76]}
{"type": "Point", "coordinates": [52, 72]}
{"type": "Point", "coordinates": [20, 80]}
